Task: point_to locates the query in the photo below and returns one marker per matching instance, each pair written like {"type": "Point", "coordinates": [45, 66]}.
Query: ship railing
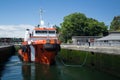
{"type": "Point", "coordinates": [95, 44]}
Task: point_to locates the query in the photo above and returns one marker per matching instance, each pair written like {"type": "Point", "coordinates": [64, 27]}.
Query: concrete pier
{"type": "Point", "coordinates": [106, 59]}
{"type": "Point", "coordinates": [96, 49]}
{"type": "Point", "coordinates": [5, 52]}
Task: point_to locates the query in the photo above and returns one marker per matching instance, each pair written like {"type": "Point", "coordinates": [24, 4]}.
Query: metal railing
{"type": "Point", "coordinates": [98, 44]}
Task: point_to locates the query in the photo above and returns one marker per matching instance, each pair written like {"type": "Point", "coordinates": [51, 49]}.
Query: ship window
{"type": "Point", "coordinates": [51, 32]}
{"type": "Point", "coordinates": [41, 32]}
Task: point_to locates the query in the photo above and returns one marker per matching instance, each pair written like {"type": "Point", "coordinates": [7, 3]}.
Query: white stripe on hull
{"type": "Point", "coordinates": [32, 53]}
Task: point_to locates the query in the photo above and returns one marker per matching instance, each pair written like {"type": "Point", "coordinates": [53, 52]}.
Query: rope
{"type": "Point", "coordinates": [80, 65]}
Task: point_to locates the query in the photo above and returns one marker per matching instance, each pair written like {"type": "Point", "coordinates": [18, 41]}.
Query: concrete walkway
{"type": "Point", "coordinates": [98, 49]}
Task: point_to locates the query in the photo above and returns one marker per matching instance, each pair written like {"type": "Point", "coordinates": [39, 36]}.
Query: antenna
{"type": "Point", "coordinates": [41, 12]}
{"type": "Point", "coordinates": [41, 18]}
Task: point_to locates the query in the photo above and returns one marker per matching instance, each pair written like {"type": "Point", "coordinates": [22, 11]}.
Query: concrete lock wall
{"type": "Point", "coordinates": [5, 53]}
{"type": "Point", "coordinates": [100, 61]}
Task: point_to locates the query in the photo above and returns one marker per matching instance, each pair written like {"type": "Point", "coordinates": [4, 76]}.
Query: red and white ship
{"type": "Point", "coordinates": [40, 46]}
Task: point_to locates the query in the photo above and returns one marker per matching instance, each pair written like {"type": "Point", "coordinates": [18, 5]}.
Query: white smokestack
{"type": "Point", "coordinates": [27, 35]}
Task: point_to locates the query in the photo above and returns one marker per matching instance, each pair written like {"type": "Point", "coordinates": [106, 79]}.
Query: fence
{"type": "Point", "coordinates": [99, 44]}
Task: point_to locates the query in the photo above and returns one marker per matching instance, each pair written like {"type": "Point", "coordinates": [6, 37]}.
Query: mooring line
{"type": "Point", "coordinates": [67, 65]}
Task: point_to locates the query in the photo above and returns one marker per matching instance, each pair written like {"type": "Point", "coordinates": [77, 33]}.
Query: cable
{"type": "Point", "coordinates": [67, 65]}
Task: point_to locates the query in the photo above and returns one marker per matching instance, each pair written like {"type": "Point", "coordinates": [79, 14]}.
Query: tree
{"type": "Point", "coordinates": [73, 25]}
{"type": "Point", "coordinates": [77, 24]}
{"type": "Point", "coordinates": [96, 28]}
{"type": "Point", "coordinates": [57, 29]}
{"type": "Point", "coordinates": [115, 24]}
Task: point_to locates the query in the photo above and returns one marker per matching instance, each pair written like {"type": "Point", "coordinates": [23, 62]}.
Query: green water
{"type": "Point", "coordinates": [15, 70]}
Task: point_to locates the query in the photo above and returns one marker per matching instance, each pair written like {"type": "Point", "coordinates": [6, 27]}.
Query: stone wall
{"type": "Point", "coordinates": [109, 63]}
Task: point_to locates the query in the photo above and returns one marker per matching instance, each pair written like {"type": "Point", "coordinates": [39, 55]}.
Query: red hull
{"type": "Point", "coordinates": [40, 46]}
{"type": "Point", "coordinates": [42, 55]}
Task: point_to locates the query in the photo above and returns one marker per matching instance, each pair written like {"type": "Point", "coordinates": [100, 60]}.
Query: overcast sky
{"type": "Point", "coordinates": [18, 15]}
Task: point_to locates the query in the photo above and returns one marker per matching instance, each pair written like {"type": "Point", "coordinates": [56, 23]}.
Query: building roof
{"type": "Point", "coordinates": [111, 36]}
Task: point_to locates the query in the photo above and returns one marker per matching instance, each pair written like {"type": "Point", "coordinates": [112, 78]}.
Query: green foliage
{"type": "Point", "coordinates": [70, 41]}
{"type": "Point", "coordinates": [77, 24]}
{"type": "Point", "coordinates": [101, 61]}
{"type": "Point", "coordinates": [115, 24]}
{"type": "Point", "coordinates": [96, 28]}
{"type": "Point", "coordinates": [57, 28]}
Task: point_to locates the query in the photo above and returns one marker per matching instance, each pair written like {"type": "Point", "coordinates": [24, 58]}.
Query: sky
{"type": "Point", "coordinates": [18, 15]}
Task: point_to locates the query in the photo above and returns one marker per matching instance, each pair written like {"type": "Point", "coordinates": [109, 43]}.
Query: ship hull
{"type": "Point", "coordinates": [39, 53]}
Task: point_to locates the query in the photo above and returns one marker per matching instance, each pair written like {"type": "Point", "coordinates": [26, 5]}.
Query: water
{"type": "Point", "coordinates": [16, 70]}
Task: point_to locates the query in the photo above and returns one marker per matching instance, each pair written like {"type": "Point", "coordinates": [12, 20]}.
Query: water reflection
{"type": "Point", "coordinates": [26, 72]}
{"type": "Point", "coordinates": [44, 72]}
{"type": "Point", "coordinates": [39, 72]}
{"type": "Point", "coordinates": [1, 69]}
{"type": "Point", "coordinates": [16, 70]}
{"type": "Point", "coordinates": [82, 73]}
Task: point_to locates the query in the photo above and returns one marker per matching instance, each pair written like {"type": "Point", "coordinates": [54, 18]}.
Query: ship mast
{"type": "Point", "coordinates": [41, 18]}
